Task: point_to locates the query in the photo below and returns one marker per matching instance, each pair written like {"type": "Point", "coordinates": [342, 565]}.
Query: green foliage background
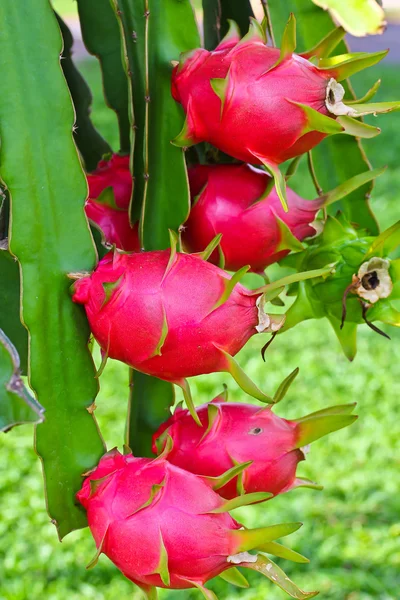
{"type": "Point", "coordinates": [351, 530]}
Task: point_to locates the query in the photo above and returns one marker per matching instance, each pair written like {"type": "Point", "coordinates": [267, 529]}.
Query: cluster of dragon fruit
{"type": "Point", "coordinates": [165, 522]}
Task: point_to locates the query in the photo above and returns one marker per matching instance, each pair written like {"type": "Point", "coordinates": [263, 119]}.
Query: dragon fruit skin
{"type": "Point", "coordinates": [258, 121]}
{"type": "Point", "coordinates": [236, 433]}
{"type": "Point", "coordinates": [129, 532]}
{"type": "Point", "coordinates": [227, 203]}
{"type": "Point", "coordinates": [274, 451]}
{"type": "Point", "coordinates": [264, 105]}
{"type": "Point", "coordinates": [113, 220]}
{"type": "Point", "coordinates": [160, 317]}
{"type": "Point", "coordinates": [114, 173]}
{"type": "Point", "coordinates": [165, 527]}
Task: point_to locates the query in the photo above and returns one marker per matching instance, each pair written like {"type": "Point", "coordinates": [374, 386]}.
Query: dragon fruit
{"type": "Point", "coordinates": [263, 105]}
{"type": "Point", "coordinates": [110, 189]}
{"type": "Point", "coordinates": [232, 434]}
{"type": "Point", "coordinates": [174, 315]}
{"type": "Point", "coordinates": [165, 527]}
{"type": "Point", "coordinates": [256, 231]}
{"type": "Point", "coordinates": [361, 287]}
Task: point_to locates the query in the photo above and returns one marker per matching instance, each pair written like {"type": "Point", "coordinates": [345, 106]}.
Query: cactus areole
{"type": "Point", "coordinates": [165, 527]}
{"type": "Point", "coordinates": [110, 190]}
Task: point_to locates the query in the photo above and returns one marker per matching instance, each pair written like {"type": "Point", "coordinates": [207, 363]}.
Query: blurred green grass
{"type": "Point", "coordinates": [351, 530]}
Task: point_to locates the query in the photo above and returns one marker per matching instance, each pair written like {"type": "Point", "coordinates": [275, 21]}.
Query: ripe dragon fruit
{"type": "Point", "coordinates": [256, 231]}
{"type": "Point", "coordinates": [359, 290]}
{"type": "Point", "coordinates": [173, 315]}
{"type": "Point", "coordinates": [263, 105]}
{"type": "Point", "coordinates": [110, 189]}
{"type": "Point", "coordinates": [268, 446]}
{"type": "Point", "coordinates": [165, 527]}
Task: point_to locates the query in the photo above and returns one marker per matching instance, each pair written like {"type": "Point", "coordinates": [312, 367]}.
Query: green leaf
{"type": "Point", "coordinates": [283, 552]}
{"type": "Point", "coordinates": [243, 381]}
{"type": "Point", "coordinates": [244, 500]}
{"type": "Point", "coordinates": [162, 567]}
{"type": "Point", "coordinates": [349, 186]}
{"type": "Point", "coordinates": [102, 38]}
{"type": "Point", "coordinates": [327, 45]}
{"type": "Point", "coordinates": [358, 17]}
{"type": "Point", "coordinates": [229, 285]}
{"type": "Point", "coordinates": [218, 482]}
{"type": "Point", "coordinates": [255, 33]}
{"type": "Point", "coordinates": [358, 128]}
{"type": "Point", "coordinates": [220, 88]}
{"type": "Point", "coordinates": [249, 539]}
{"type": "Point", "coordinates": [36, 119]}
{"type": "Point", "coordinates": [218, 18]}
{"type": "Point", "coordinates": [287, 241]}
{"type": "Point", "coordinates": [109, 287]}
{"type": "Point", "coordinates": [17, 405]}
{"type": "Point", "coordinates": [161, 192]}
{"type": "Point", "coordinates": [187, 394]}
{"type": "Point", "coordinates": [213, 414]}
{"type": "Point", "coordinates": [294, 278]}
{"type": "Point", "coordinates": [89, 141]}
{"type": "Point", "coordinates": [150, 400]}
{"type": "Point", "coordinates": [340, 409]}
{"type": "Point", "coordinates": [306, 483]}
{"type": "Point", "coordinates": [99, 550]}
{"type": "Point", "coordinates": [163, 336]}
{"type": "Point", "coordinates": [313, 427]}
{"type": "Point", "coordinates": [343, 154]}
{"type": "Point", "coordinates": [285, 385]}
{"type": "Point", "coordinates": [316, 121]}
{"type": "Point", "coordinates": [10, 321]}
{"type": "Point", "coordinates": [300, 310]}
{"type": "Point", "coordinates": [386, 313]}
{"type": "Point", "coordinates": [386, 242]}
{"type": "Point", "coordinates": [288, 42]}
{"type": "Point", "coordinates": [205, 255]}
{"type": "Point", "coordinates": [269, 569]}
{"type": "Point", "coordinates": [345, 65]}
{"type": "Point", "coordinates": [375, 108]}
{"type": "Point", "coordinates": [370, 94]}
{"type": "Point", "coordinates": [347, 336]}
{"type": "Point", "coordinates": [234, 577]}
{"type": "Point", "coordinates": [279, 180]}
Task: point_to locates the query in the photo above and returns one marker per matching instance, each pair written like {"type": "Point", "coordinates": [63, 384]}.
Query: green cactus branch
{"type": "Point", "coordinates": [50, 237]}
{"type": "Point", "coordinates": [89, 141]}
{"type": "Point", "coordinates": [102, 38]}
{"type": "Point", "coordinates": [149, 402]}
{"type": "Point", "coordinates": [154, 37]}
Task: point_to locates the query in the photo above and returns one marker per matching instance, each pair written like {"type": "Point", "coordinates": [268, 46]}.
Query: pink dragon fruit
{"type": "Point", "coordinates": [165, 527]}
{"type": "Point", "coordinates": [173, 315]}
{"type": "Point", "coordinates": [263, 105]}
{"type": "Point", "coordinates": [110, 189]}
{"type": "Point", "coordinates": [268, 446]}
{"type": "Point", "coordinates": [256, 231]}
